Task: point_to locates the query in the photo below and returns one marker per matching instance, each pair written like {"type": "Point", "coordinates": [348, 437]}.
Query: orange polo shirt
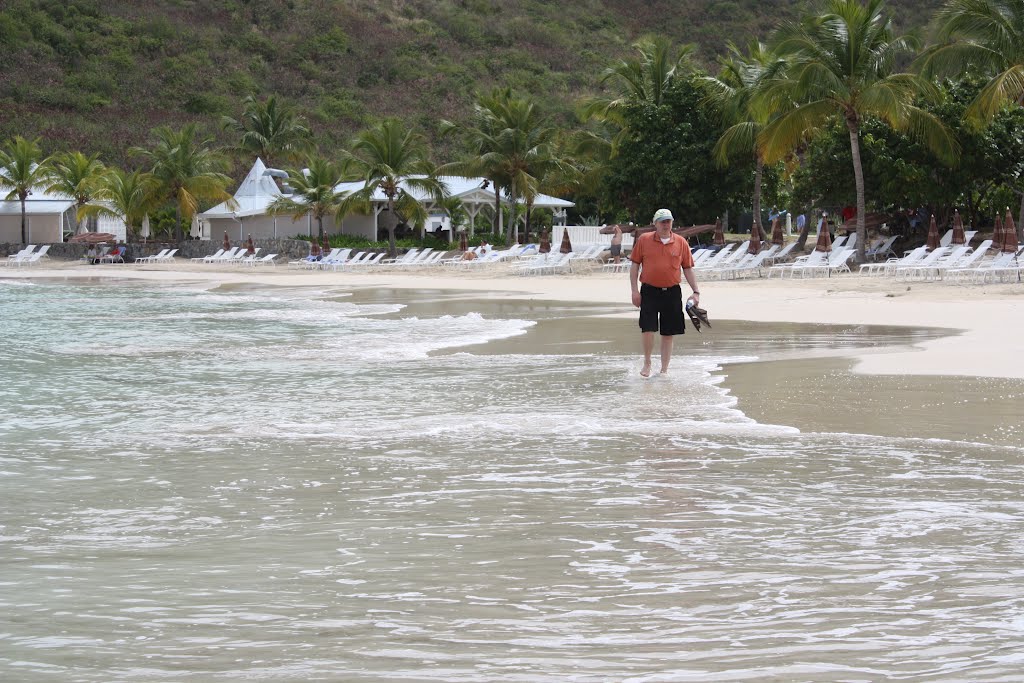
{"type": "Point", "coordinates": [660, 264]}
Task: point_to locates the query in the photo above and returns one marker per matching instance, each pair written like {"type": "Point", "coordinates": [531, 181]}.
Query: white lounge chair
{"type": "Point", "coordinates": [216, 254]}
{"type": "Point", "coordinates": [913, 257]}
{"type": "Point", "coordinates": [152, 258]}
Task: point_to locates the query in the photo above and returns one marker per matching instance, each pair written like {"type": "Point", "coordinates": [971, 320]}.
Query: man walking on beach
{"type": "Point", "coordinates": [657, 259]}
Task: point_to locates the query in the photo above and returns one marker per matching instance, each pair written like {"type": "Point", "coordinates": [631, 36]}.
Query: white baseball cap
{"type": "Point", "coordinates": [662, 215]}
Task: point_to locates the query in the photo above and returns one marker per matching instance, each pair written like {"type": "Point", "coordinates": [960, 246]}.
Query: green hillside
{"type": "Point", "coordinates": [97, 75]}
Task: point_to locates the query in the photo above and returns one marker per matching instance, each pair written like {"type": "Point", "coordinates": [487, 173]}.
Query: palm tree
{"type": "Point", "coordinates": [314, 192]}
{"type": "Point", "coordinates": [22, 167]}
{"type": "Point", "coordinates": [188, 171]}
{"type": "Point", "coordinates": [731, 93]}
{"type": "Point", "coordinates": [78, 176]}
{"type": "Point", "coordinates": [393, 159]}
{"type": "Point", "coordinates": [987, 35]}
{"type": "Point", "coordinates": [271, 130]}
{"type": "Point", "coordinates": [644, 79]}
{"type": "Point", "coordinates": [842, 63]}
{"type": "Point", "coordinates": [128, 196]}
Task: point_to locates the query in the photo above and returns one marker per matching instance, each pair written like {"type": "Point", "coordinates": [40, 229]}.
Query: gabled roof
{"type": "Point", "coordinates": [39, 202]}
{"type": "Point", "coordinates": [258, 191]}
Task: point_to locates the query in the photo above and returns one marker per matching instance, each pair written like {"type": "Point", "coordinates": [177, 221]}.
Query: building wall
{"type": "Point", "coordinates": [41, 229]}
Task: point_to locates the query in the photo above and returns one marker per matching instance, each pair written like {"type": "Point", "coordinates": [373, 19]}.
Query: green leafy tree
{"type": "Point", "coordinates": [986, 36]}
{"type": "Point", "coordinates": [189, 171]}
{"type": "Point", "coordinates": [77, 175]}
{"type": "Point", "coordinates": [22, 167]}
{"type": "Point", "coordinates": [270, 130]}
{"type": "Point", "coordinates": [842, 63]}
{"type": "Point", "coordinates": [393, 159]}
{"type": "Point", "coordinates": [127, 195]}
{"type": "Point", "coordinates": [667, 160]}
{"type": "Point", "coordinates": [732, 94]}
{"type": "Point", "coordinates": [314, 192]}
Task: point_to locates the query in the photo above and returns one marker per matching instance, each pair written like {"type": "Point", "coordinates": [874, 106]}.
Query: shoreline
{"type": "Point", "coordinates": [980, 317]}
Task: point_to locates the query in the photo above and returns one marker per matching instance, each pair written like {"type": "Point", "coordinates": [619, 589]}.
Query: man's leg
{"type": "Point", "coordinates": [666, 352]}
{"type": "Point", "coordinates": [648, 338]}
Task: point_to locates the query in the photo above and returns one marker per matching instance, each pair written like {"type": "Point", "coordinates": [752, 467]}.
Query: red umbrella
{"type": "Point", "coordinates": [327, 245]}
{"type": "Point", "coordinates": [250, 248]}
{"type": "Point", "coordinates": [1009, 233]}
{"type": "Point", "coordinates": [755, 238]}
{"type": "Point", "coordinates": [777, 237]}
{"type": "Point", "coordinates": [719, 238]}
{"type": "Point", "coordinates": [958, 229]}
{"type": "Point", "coordinates": [545, 243]}
{"type": "Point", "coordinates": [463, 241]}
{"type": "Point", "coordinates": [824, 238]}
{"type": "Point", "coordinates": [997, 233]}
{"type": "Point", "coordinates": [933, 239]}
{"type": "Point", "coordinates": [566, 247]}
{"type": "Point", "coordinates": [227, 242]}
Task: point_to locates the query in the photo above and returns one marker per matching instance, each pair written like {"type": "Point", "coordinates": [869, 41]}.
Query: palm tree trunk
{"type": "Point", "coordinates": [858, 176]}
{"type": "Point", "coordinates": [497, 210]}
{"type": "Point", "coordinates": [177, 222]}
{"type": "Point", "coordinates": [758, 172]}
{"type": "Point", "coordinates": [392, 247]}
{"type": "Point", "coordinates": [1020, 219]}
{"type": "Point", "coordinates": [320, 227]}
{"type": "Point", "coordinates": [24, 230]}
{"type": "Point", "coordinates": [513, 226]}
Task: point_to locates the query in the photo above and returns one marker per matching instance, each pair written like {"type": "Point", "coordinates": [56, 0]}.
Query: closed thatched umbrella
{"type": "Point", "coordinates": [958, 229]}
{"type": "Point", "coordinates": [777, 237]}
{"type": "Point", "coordinates": [327, 245]}
{"type": "Point", "coordinates": [824, 238]}
{"type": "Point", "coordinates": [566, 247]}
{"type": "Point", "coordinates": [250, 248]}
{"type": "Point", "coordinates": [227, 243]}
{"type": "Point", "coordinates": [1009, 233]}
{"type": "Point", "coordinates": [463, 241]}
{"type": "Point", "coordinates": [932, 242]}
{"type": "Point", "coordinates": [719, 239]}
{"type": "Point", "coordinates": [755, 238]}
{"type": "Point", "coordinates": [545, 243]}
{"type": "Point", "coordinates": [997, 233]}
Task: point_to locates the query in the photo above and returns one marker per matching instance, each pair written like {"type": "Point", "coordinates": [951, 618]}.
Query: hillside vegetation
{"type": "Point", "coordinates": [98, 75]}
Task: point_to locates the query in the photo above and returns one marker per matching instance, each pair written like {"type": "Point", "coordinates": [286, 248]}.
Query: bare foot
{"type": "Point", "coordinates": [664, 371]}
{"type": "Point", "coordinates": [645, 371]}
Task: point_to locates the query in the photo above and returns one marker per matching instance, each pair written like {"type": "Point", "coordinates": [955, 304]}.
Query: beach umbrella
{"type": "Point", "coordinates": [932, 242]}
{"type": "Point", "coordinates": [250, 248]}
{"type": "Point", "coordinates": [194, 230]}
{"type": "Point", "coordinates": [958, 229]}
{"type": "Point", "coordinates": [566, 247]}
{"type": "Point", "coordinates": [719, 238]}
{"type": "Point", "coordinates": [777, 237]}
{"type": "Point", "coordinates": [755, 238]}
{"type": "Point", "coordinates": [545, 243]}
{"type": "Point", "coordinates": [463, 241]}
{"type": "Point", "coordinates": [1009, 233]}
{"type": "Point", "coordinates": [824, 239]}
{"type": "Point", "coordinates": [227, 242]}
{"type": "Point", "coordinates": [145, 227]}
{"type": "Point", "coordinates": [997, 233]}
{"type": "Point", "coordinates": [327, 245]}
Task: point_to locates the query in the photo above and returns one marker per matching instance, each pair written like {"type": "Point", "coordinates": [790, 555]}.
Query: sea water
{"type": "Point", "coordinates": [292, 485]}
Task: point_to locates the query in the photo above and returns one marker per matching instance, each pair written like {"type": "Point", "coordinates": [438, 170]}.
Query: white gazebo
{"type": "Point", "coordinates": [247, 213]}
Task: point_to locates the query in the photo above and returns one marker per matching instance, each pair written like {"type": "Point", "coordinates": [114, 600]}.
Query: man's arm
{"type": "Point", "coordinates": [634, 275]}
{"type": "Point", "coordinates": [691, 280]}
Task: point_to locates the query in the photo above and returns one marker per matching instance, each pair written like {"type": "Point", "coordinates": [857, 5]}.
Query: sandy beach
{"type": "Point", "coordinates": [982, 316]}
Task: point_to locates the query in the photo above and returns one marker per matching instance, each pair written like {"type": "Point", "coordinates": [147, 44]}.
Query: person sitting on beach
{"type": "Point", "coordinates": [314, 252]}
{"type": "Point", "coordinates": [469, 255]}
{"type": "Point", "coordinates": [616, 248]}
{"type": "Point", "coordinates": [484, 247]}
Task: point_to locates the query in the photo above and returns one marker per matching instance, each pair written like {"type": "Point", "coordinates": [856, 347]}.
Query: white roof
{"type": "Point", "coordinates": [38, 202]}
{"type": "Point", "coordinates": [258, 191]}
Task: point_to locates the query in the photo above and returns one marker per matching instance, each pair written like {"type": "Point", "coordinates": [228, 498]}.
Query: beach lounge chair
{"type": "Point", "coordinates": [33, 258]}
{"type": "Point", "coordinates": [152, 258]}
{"type": "Point", "coordinates": [881, 249]}
{"type": "Point", "coordinates": [222, 256]}
{"type": "Point", "coordinates": [913, 257]}
{"type": "Point", "coordinates": [115, 255]}
{"type": "Point", "coordinates": [936, 267]}
{"type": "Point", "coordinates": [199, 259]}
{"type": "Point", "coordinates": [929, 260]}
{"type": "Point", "coordinates": [13, 259]}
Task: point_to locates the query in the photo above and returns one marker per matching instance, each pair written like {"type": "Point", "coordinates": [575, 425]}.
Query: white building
{"type": "Point", "coordinates": [247, 213]}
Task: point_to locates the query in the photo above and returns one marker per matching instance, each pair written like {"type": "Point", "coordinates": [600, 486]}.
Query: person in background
{"type": "Point", "coordinates": [658, 257]}
{"type": "Point", "coordinates": [616, 248]}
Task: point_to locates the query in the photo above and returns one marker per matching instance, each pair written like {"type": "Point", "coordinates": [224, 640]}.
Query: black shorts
{"type": "Point", "coordinates": [616, 249]}
{"type": "Point", "coordinates": [661, 310]}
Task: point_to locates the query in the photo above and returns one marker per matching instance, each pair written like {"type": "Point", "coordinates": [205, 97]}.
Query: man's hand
{"type": "Point", "coordinates": [636, 298]}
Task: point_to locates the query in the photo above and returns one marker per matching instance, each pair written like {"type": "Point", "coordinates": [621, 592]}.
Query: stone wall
{"type": "Point", "coordinates": [286, 249]}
